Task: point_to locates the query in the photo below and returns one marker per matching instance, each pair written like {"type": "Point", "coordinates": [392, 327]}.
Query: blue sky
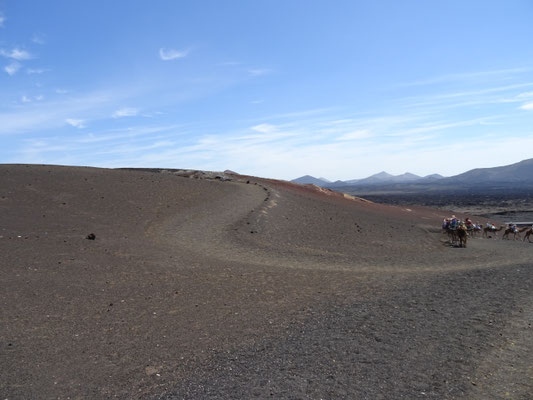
{"type": "Point", "coordinates": [337, 89]}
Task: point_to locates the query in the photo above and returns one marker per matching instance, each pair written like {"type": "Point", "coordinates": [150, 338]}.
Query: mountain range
{"type": "Point", "coordinates": [515, 175]}
{"type": "Point", "coordinates": [379, 178]}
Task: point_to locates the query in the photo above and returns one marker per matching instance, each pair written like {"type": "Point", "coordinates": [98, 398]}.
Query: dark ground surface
{"type": "Point", "coordinates": [505, 205]}
{"type": "Point", "coordinates": [205, 289]}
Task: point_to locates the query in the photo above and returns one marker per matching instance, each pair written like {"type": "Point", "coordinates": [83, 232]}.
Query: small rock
{"type": "Point", "coordinates": [91, 236]}
{"type": "Point", "coordinates": [151, 371]}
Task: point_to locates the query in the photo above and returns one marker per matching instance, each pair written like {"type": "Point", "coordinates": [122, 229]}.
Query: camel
{"type": "Point", "coordinates": [452, 235]}
{"type": "Point", "coordinates": [474, 230]}
{"type": "Point", "coordinates": [487, 230]}
{"type": "Point", "coordinates": [522, 230]}
{"type": "Point", "coordinates": [529, 233]}
{"type": "Point", "coordinates": [517, 232]}
{"type": "Point", "coordinates": [462, 235]}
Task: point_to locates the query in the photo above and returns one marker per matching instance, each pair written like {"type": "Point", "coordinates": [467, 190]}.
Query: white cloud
{"type": "Point", "coordinates": [360, 134]}
{"type": "Point", "coordinates": [38, 39]}
{"type": "Point", "coordinates": [468, 76]}
{"type": "Point", "coordinates": [12, 68]}
{"type": "Point", "coordinates": [16, 54]}
{"type": "Point", "coordinates": [264, 128]}
{"type": "Point", "coordinates": [525, 95]}
{"type": "Point", "coordinates": [34, 71]}
{"type": "Point", "coordinates": [125, 112]}
{"type": "Point", "coordinates": [76, 123]}
{"type": "Point", "coordinates": [527, 106]}
{"type": "Point", "coordinates": [171, 54]}
{"type": "Point", "coordinates": [2, 20]}
{"type": "Point", "coordinates": [259, 71]}
{"type": "Point", "coordinates": [52, 114]}
{"type": "Point", "coordinates": [25, 99]}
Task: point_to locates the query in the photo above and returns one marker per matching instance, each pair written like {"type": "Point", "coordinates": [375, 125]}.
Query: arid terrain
{"type": "Point", "coordinates": [504, 205]}
{"type": "Point", "coordinates": [199, 286]}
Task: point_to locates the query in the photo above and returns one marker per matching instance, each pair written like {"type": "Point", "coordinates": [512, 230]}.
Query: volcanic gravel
{"type": "Point", "coordinates": [250, 288]}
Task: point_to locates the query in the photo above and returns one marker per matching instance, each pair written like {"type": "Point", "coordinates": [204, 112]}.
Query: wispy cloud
{"type": "Point", "coordinates": [76, 123]}
{"type": "Point", "coordinates": [465, 76]}
{"type": "Point", "coordinates": [52, 114]}
{"type": "Point", "coordinates": [38, 39]}
{"type": "Point", "coordinates": [128, 133]}
{"type": "Point", "coordinates": [125, 112]}
{"type": "Point", "coordinates": [36, 71]}
{"type": "Point", "coordinates": [171, 54]}
{"type": "Point", "coordinates": [259, 71]}
{"type": "Point", "coordinates": [360, 134]}
{"type": "Point", "coordinates": [27, 99]}
{"type": "Point", "coordinates": [264, 128]}
{"type": "Point", "coordinates": [229, 63]}
{"type": "Point", "coordinates": [412, 133]}
{"type": "Point", "coordinates": [525, 95]}
{"type": "Point", "coordinates": [2, 20]}
{"type": "Point", "coordinates": [12, 68]}
{"type": "Point", "coordinates": [16, 54]}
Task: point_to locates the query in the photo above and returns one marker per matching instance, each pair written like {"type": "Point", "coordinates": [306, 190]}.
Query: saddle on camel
{"type": "Point", "coordinates": [491, 228]}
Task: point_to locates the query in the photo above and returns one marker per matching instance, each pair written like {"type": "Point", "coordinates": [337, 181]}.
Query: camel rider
{"type": "Point", "coordinates": [468, 223]}
{"type": "Point", "coordinates": [453, 222]}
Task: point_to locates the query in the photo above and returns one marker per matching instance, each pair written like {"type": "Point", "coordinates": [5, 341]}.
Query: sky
{"type": "Point", "coordinates": [272, 88]}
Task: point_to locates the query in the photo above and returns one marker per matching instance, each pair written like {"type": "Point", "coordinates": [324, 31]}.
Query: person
{"type": "Point", "coordinates": [445, 223]}
{"type": "Point", "coordinates": [453, 222]}
{"type": "Point", "coordinates": [468, 223]}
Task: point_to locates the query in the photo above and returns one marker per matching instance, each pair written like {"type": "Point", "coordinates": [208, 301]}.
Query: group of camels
{"type": "Point", "coordinates": [517, 233]}
{"type": "Point", "coordinates": [459, 235]}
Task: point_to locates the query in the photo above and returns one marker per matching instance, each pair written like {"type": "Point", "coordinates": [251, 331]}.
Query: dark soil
{"type": "Point", "coordinates": [202, 288]}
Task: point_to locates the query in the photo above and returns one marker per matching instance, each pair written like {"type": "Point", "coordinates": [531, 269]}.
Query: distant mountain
{"type": "Point", "coordinates": [516, 175]}
{"type": "Point", "coordinates": [407, 177]}
{"type": "Point", "coordinates": [376, 179]}
{"type": "Point", "coordinates": [379, 177]}
{"type": "Point", "coordinates": [432, 177]}
{"type": "Point", "coordinates": [308, 179]}
{"type": "Point", "coordinates": [521, 172]}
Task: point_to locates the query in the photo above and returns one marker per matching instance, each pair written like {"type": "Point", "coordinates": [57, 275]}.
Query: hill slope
{"type": "Point", "coordinates": [521, 172]}
{"type": "Point", "coordinates": [207, 288]}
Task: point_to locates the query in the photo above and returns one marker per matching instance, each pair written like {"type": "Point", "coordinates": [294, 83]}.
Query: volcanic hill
{"type": "Point", "coordinates": [207, 285]}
